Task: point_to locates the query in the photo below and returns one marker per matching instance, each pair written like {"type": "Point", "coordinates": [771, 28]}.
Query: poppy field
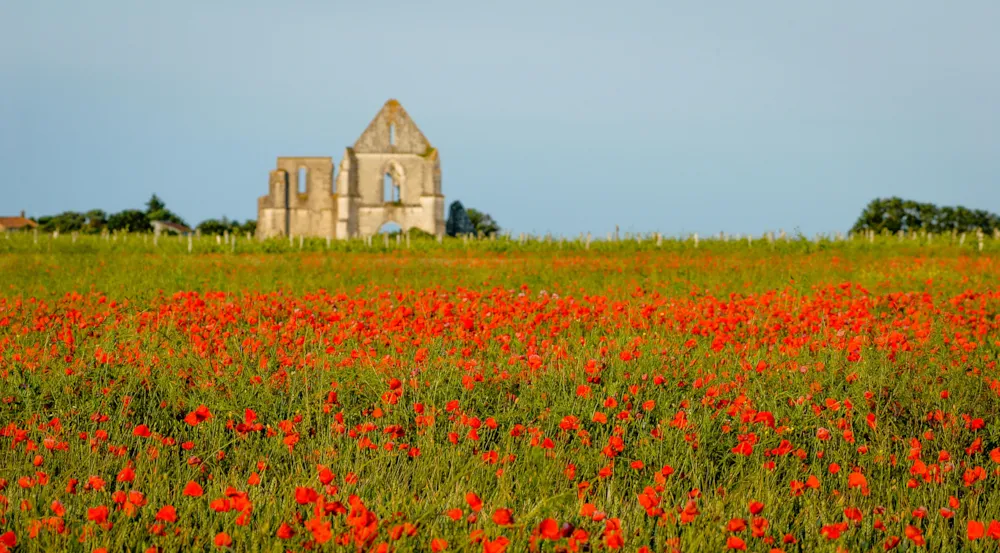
{"type": "Point", "coordinates": [456, 398]}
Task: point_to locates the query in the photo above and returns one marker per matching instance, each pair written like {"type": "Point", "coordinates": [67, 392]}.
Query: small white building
{"type": "Point", "coordinates": [160, 227]}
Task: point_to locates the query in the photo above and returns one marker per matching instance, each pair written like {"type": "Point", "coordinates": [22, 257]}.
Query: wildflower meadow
{"type": "Point", "coordinates": [490, 396]}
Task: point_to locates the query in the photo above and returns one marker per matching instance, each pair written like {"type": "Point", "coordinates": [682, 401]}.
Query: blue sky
{"type": "Point", "coordinates": [553, 116]}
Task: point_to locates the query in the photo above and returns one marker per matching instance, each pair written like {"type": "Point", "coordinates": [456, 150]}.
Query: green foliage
{"type": "Point", "coordinates": [92, 221]}
{"type": "Point", "coordinates": [224, 225]}
{"type": "Point", "coordinates": [482, 222]}
{"type": "Point", "coordinates": [129, 220]}
{"type": "Point", "coordinates": [422, 243]}
{"type": "Point", "coordinates": [419, 234]}
{"type": "Point", "coordinates": [156, 210]}
{"type": "Point", "coordinates": [214, 226]}
{"type": "Point", "coordinates": [155, 204]}
{"type": "Point", "coordinates": [165, 215]}
{"type": "Point", "coordinates": [895, 214]}
{"type": "Point", "coordinates": [96, 220]}
{"type": "Point", "coordinates": [413, 233]}
{"type": "Point", "coordinates": [458, 222]}
{"type": "Point", "coordinates": [67, 221]}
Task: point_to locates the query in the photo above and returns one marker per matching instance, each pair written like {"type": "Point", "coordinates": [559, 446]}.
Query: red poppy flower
{"type": "Point", "coordinates": [503, 517]}
{"type": "Point", "coordinates": [736, 525]}
{"type": "Point", "coordinates": [198, 416]}
{"type": "Point", "coordinates": [975, 530]}
{"type": "Point", "coordinates": [222, 539]}
{"type": "Point", "coordinates": [993, 530]}
{"type": "Point", "coordinates": [285, 531]}
{"type": "Point", "coordinates": [167, 514]}
{"type": "Point", "coordinates": [914, 534]}
{"type": "Point", "coordinates": [474, 502]}
{"type": "Point", "coordinates": [98, 514]}
{"type": "Point", "coordinates": [549, 529]}
{"type": "Point", "coordinates": [499, 545]}
{"type": "Point", "coordinates": [193, 489]}
{"type": "Point", "coordinates": [320, 529]}
{"type": "Point", "coordinates": [127, 474]}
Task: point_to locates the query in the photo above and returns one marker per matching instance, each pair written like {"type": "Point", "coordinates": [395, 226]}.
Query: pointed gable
{"type": "Point", "coordinates": [392, 131]}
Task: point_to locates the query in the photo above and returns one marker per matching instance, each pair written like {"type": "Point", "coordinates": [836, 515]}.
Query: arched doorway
{"type": "Point", "coordinates": [391, 228]}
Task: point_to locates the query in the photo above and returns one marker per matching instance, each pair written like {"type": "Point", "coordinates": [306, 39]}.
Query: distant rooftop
{"type": "Point", "coordinates": [167, 225]}
{"type": "Point", "coordinates": [16, 223]}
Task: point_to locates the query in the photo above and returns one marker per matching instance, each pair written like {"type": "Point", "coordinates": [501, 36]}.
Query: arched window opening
{"type": "Point", "coordinates": [390, 190]}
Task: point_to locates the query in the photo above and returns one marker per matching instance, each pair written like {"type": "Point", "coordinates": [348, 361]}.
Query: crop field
{"type": "Point", "coordinates": [492, 396]}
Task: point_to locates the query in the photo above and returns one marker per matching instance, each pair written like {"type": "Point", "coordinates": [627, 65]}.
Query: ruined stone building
{"type": "Point", "coordinates": [391, 174]}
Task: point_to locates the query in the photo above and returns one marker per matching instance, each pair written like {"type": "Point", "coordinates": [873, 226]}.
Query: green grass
{"type": "Point", "coordinates": [144, 334]}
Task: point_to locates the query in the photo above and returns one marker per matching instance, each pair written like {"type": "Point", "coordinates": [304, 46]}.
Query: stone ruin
{"type": "Point", "coordinates": [392, 174]}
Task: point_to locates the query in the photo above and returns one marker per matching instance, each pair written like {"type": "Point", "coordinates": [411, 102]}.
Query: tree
{"type": "Point", "coordinates": [946, 219]}
{"type": "Point", "coordinates": [96, 220]}
{"type": "Point", "coordinates": [212, 226]}
{"type": "Point", "coordinates": [224, 225]}
{"type": "Point", "coordinates": [458, 222]}
{"type": "Point", "coordinates": [156, 210]}
{"type": "Point", "coordinates": [67, 221]}
{"type": "Point", "coordinates": [155, 204]}
{"type": "Point", "coordinates": [895, 214]}
{"type": "Point", "coordinates": [129, 220]}
{"type": "Point", "coordinates": [166, 215]}
{"type": "Point", "coordinates": [482, 222]}
{"type": "Point", "coordinates": [249, 227]}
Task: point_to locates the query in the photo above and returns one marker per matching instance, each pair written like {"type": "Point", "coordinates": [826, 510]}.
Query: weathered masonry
{"type": "Point", "coordinates": [392, 174]}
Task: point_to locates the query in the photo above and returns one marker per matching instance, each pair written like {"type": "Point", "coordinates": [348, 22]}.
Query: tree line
{"type": "Point", "coordinates": [880, 215]}
{"type": "Point", "coordinates": [461, 221]}
{"type": "Point", "coordinates": [97, 221]}
{"type": "Point", "coordinates": [896, 214]}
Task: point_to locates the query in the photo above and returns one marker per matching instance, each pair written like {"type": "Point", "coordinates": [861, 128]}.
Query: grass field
{"type": "Point", "coordinates": [492, 396]}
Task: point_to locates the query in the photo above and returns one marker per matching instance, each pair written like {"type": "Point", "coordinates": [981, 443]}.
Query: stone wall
{"type": "Point", "coordinates": [308, 208]}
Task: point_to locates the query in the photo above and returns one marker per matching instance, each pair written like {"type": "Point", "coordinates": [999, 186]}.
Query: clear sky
{"type": "Point", "coordinates": [553, 116]}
